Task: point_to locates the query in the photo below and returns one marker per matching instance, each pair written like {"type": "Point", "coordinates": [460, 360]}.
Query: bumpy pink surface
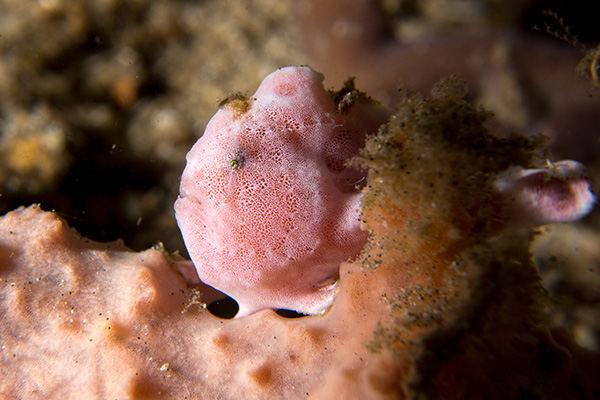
{"type": "Point", "coordinates": [268, 208]}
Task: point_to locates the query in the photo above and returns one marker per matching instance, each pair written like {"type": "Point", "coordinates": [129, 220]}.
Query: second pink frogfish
{"type": "Point", "coordinates": [268, 206]}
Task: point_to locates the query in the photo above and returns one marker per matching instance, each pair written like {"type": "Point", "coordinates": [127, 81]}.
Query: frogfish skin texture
{"type": "Point", "coordinates": [268, 206]}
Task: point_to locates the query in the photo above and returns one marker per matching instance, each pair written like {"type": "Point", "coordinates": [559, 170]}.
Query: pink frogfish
{"type": "Point", "coordinates": [269, 206]}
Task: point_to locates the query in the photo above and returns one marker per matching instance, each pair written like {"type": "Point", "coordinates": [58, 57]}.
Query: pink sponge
{"type": "Point", "coordinates": [268, 207]}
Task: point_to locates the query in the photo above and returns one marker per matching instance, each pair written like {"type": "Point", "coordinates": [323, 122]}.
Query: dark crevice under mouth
{"type": "Point", "coordinates": [227, 308]}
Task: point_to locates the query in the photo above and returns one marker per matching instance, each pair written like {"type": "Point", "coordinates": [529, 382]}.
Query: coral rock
{"type": "Point", "coordinates": [441, 303]}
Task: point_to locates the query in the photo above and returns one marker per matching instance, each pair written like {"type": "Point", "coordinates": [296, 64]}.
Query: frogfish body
{"type": "Point", "coordinates": [268, 205]}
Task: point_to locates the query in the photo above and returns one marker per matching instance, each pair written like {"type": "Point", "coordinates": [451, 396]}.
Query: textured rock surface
{"type": "Point", "coordinates": [110, 95]}
{"type": "Point", "coordinates": [436, 306]}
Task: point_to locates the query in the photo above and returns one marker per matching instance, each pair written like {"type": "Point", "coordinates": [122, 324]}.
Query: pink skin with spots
{"type": "Point", "coordinates": [268, 208]}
